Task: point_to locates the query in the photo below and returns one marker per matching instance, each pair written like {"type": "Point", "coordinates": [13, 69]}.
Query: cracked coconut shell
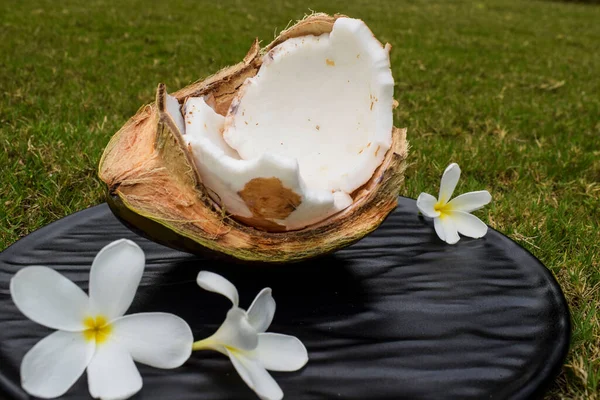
{"type": "Point", "coordinates": [159, 185]}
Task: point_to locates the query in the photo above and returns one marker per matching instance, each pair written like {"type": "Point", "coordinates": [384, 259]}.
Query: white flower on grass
{"type": "Point", "coordinates": [242, 338]}
{"type": "Point", "coordinates": [451, 217]}
{"type": "Point", "coordinates": [92, 332]}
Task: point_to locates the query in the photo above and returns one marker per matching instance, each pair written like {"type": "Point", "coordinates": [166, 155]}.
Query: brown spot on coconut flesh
{"type": "Point", "coordinates": [329, 62]}
{"type": "Point", "coordinates": [318, 127]}
{"type": "Point", "coordinates": [377, 150]}
{"type": "Point", "coordinates": [366, 147]}
{"type": "Point", "coordinates": [268, 198]}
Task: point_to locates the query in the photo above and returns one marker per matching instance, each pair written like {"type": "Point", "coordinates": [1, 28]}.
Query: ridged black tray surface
{"type": "Point", "coordinates": [399, 315]}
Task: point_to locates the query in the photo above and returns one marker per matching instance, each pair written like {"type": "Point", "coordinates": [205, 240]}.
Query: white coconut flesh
{"type": "Point", "coordinates": [308, 130]}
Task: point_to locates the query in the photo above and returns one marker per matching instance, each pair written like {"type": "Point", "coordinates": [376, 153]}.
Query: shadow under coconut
{"type": "Point", "coordinates": [307, 294]}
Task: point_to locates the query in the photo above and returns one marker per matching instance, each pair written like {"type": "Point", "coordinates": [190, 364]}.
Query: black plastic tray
{"type": "Point", "coordinates": [399, 315]}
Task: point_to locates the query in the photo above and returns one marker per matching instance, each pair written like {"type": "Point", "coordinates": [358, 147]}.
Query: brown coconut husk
{"type": "Point", "coordinates": [153, 185]}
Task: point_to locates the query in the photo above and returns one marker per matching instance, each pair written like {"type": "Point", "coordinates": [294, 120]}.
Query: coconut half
{"type": "Point", "coordinates": [285, 156]}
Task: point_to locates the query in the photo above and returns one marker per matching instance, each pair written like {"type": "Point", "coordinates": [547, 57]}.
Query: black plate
{"type": "Point", "coordinates": [399, 315]}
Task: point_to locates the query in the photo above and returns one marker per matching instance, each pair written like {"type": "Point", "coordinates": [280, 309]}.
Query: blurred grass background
{"type": "Point", "coordinates": [508, 89]}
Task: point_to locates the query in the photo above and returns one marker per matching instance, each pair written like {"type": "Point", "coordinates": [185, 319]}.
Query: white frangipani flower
{"type": "Point", "coordinates": [91, 331]}
{"type": "Point", "coordinates": [451, 217]}
{"type": "Point", "coordinates": [243, 339]}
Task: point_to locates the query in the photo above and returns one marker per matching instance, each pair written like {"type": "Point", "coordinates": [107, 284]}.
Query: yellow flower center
{"type": "Point", "coordinates": [443, 209]}
{"type": "Point", "coordinates": [97, 328]}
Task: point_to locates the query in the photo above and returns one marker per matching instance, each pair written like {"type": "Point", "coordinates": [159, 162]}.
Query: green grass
{"type": "Point", "coordinates": [507, 89]}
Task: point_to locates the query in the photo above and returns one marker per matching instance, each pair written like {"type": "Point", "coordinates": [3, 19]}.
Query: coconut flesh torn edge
{"type": "Point", "coordinates": [292, 149]}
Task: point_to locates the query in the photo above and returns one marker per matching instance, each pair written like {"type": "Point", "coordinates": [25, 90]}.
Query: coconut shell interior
{"type": "Point", "coordinates": [155, 189]}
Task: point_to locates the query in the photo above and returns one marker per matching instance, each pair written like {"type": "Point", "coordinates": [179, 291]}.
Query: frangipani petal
{"type": "Point", "coordinates": [48, 298]}
{"type": "Point", "coordinates": [468, 224]}
{"type": "Point", "coordinates": [449, 181]}
{"type": "Point", "coordinates": [256, 376]}
{"type": "Point", "coordinates": [470, 201]}
{"type": "Point", "coordinates": [426, 203]}
{"type": "Point", "coordinates": [449, 228]}
{"type": "Point", "coordinates": [439, 229]}
{"type": "Point", "coordinates": [55, 363]}
{"type": "Point", "coordinates": [277, 352]}
{"type": "Point", "coordinates": [235, 332]}
{"type": "Point", "coordinates": [262, 310]}
{"type": "Point", "coordinates": [112, 374]}
{"type": "Point", "coordinates": [114, 278]}
{"type": "Point", "coordinates": [160, 340]}
{"type": "Point", "coordinates": [217, 284]}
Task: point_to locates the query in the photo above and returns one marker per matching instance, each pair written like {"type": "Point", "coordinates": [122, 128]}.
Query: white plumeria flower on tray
{"type": "Point", "coordinates": [451, 217]}
{"type": "Point", "coordinates": [243, 338]}
{"type": "Point", "coordinates": [92, 332]}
